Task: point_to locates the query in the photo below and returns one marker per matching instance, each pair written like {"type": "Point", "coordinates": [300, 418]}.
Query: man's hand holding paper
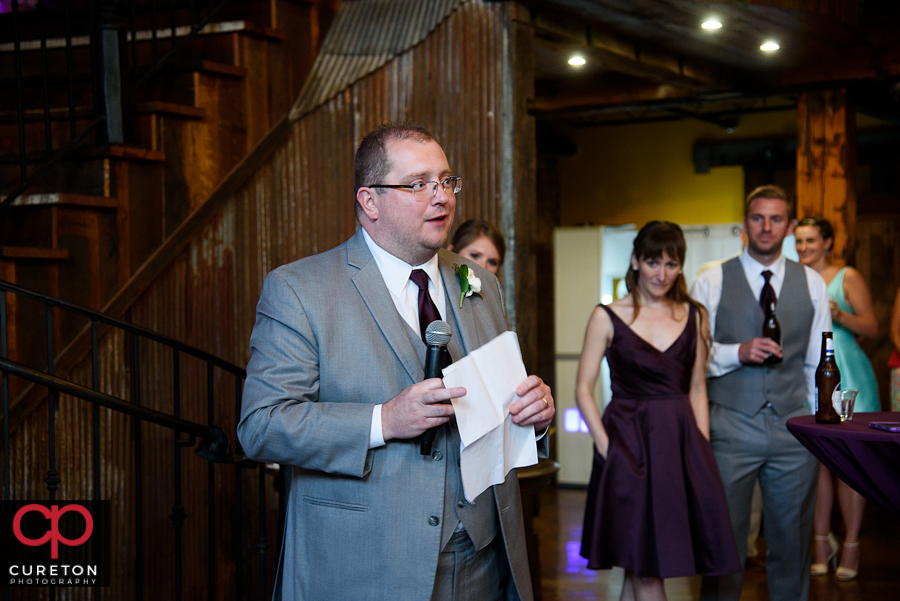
{"type": "Point", "coordinates": [496, 416]}
{"type": "Point", "coordinates": [535, 405]}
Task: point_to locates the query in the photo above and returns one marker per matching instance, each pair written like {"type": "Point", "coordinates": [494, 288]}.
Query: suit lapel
{"type": "Point", "coordinates": [462, 320]}
{"type": "Point", "coordinates": [370, 284]}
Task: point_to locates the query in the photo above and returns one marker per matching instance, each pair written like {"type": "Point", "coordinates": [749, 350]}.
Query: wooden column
{"type": "Point", "coordinates": [518, 198]}
{"type": "Point", "coordinates": [826, 165]}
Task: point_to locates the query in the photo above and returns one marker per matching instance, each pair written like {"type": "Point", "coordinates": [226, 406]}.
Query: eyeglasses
{"type": "Point", "coordinates": [427, 190]}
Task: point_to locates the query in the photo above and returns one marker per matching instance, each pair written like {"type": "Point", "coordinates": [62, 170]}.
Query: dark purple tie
{"type": "Point", "coordinates": [428, 312]}
{"type": "Point", "coordinates": [767, 295]}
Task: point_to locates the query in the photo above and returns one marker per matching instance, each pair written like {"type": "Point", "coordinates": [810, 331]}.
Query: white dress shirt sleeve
{"type": "Point", "coordinates": [376, 434]}
{"type": "Point", "coordinates": [707, 290]}
{"type": "Point", "coordinates": [818, 294]}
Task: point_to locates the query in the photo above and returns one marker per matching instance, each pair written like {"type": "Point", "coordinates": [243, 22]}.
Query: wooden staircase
{"type": "Point", "coordinates": [86, 226]}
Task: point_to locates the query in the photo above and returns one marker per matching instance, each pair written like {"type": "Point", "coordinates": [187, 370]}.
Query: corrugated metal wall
{"type": "Point", "coordinates": [301, 201]}
{"type": "Point", "coordinates": [297, 203]}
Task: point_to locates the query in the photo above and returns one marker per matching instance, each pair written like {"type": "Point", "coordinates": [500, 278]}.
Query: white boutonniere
{"type": "Point", "coordinates": [469, 283]}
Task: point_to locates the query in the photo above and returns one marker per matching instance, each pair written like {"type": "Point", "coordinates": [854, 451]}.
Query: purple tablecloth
{"type": "Point", "coordinates": [865, 458]}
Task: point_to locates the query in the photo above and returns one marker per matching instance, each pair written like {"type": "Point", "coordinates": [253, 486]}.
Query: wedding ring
{"type": "Point", "coordinates": [546, 402]}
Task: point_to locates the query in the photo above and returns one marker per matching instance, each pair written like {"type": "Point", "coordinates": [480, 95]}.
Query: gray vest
{"type": "Point", "coordinates": [739, 319]}
{"type": "Point", "coordinates": [480, 519]}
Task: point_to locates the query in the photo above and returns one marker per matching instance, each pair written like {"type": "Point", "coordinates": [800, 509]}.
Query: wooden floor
{"type": "Point", "coordinates": [565, 576]}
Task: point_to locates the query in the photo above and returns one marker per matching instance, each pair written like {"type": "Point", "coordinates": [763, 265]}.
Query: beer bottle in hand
{"type": "Point", "coordinates": [828, 380]}
{"type": "Point", "coordinates": [772, 330]}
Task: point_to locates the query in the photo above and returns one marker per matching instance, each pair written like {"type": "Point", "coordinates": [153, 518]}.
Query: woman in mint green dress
{"type": "Point", "coordinates": [852, 314]}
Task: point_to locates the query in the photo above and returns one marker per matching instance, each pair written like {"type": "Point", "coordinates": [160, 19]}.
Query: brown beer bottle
{"type": "Point", "coordinates": [772, 330]}
{"type": "Point", "coordinates": [828, 379]}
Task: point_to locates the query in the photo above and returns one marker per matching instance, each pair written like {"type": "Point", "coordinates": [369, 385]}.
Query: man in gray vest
{"type": "Point", "coordinates": [335, 389]}
{"type": "Point", "coordinates": [750, 402]}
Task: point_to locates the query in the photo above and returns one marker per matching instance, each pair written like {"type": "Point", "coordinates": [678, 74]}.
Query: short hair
{"type": "Point", "coordinates": [371, 163]}
{"type": "Point", "coordinates": [770, 191]}
{"type": "Point", "coordinates": [473, 229]}
{"type": "Point", "coordinates": [823, 225]}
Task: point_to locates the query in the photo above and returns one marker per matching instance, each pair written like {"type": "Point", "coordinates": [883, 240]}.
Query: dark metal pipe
{"type": "Point", "coordinates": [3, 355]}
{"type": "Point", "coordinates": [95, 415]}
{"type": "Point", "coordinates": [172, 28]}
{"type": "Point", "coordinates": [153, 37]}
{"type": "Point", "coordinates": [52, 480]}
{"type": "Point", "coordinates": [124, 325]}
{"type": "Point", "coordinates": [134, 40]}
{"type": "Point", "coordinates": [95, 384]}
{"type": "Point", "coordinates": [178, 513]}
{"type": "Point", "coordinates": [48, 131]}
{"type": "Point", "coordinates": [261, 543]}
{"type": "Point", "coordinates": [73, 126]}
{"type": "Point", "coordinates": [138, 471]}
{"type": "Point", "coordinates": [239, 503]}
{"type": "Point", "coordinates": [211, 432]}
{"type": "Point", "coordinates": [20, 105]}
{"type": "Point", "coordinates": [211, 489]}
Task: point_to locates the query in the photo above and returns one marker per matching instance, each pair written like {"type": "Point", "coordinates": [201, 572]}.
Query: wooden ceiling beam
{"type": "Point", "coordinates": [868, 64]}
{"type": "Point", "coordinates": [846, 11]}
{"type": "Point", "coordinates": [600, 96]}
{"type": "Point", "coordinates": [596, 107]}
{"type": "Point", "coordinates": [563, 34]}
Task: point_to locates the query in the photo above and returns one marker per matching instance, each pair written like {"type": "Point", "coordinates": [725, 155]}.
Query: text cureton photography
{"type": "Point", "coordinates": [55, 543]}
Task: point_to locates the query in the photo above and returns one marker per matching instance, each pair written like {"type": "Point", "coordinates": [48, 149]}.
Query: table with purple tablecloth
{"type": "Point", "coordinates": [865, 458]}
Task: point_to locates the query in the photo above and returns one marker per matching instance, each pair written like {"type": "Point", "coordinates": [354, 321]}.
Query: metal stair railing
{"type": "Point", "coordinates": [213, 446]}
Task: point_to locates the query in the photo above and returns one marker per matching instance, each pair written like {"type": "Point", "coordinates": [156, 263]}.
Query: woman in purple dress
{"type": "Point", "coordinates": [656, 506]}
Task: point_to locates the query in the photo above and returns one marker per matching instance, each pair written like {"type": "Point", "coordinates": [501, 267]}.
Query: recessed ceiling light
{"type": "Point", "coordinates": [576, 60]}
{"type": "Point", "coordinates": [769, 46]}
{"type": "Point", "coordinates": [711, 24]}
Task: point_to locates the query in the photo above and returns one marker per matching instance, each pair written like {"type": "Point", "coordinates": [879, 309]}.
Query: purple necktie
{"type": "Point", "coordinates": [428, 312]}
{"type": "Point", "coordinates": [767, 295]}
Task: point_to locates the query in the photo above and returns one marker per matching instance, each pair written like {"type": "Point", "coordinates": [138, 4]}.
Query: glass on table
{"type": "Point", "coordinates": [843, 401]}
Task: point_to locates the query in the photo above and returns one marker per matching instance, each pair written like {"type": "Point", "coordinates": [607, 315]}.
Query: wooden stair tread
{"type": "Point", "coordinates": [122, 152]}
{"type": "Point", "coordinates": [170, 108]}
{"type": "Point", "coordinates": [56, 114]}
{"type": "Point", "coordinates": [91, 152]}
{"type": "Point", "coordinates": [65, 198]}
{"type": "Point", "coordinates": [146, 35]}
{"type": "Point", "coordinates": [265, 32]}
{"type": "Point", "coordinates": [33, 252]}
{"type": "Point", "coordinates": [208, 66]}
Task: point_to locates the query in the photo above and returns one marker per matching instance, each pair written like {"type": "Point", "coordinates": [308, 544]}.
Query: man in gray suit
{"type": "Point", "coordinates": [335, 388]}
{"type": "Point", "coordinates": [750, 402]}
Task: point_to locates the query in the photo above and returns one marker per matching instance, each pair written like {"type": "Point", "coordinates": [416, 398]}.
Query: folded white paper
{"type": "Point", "coordinates": [491, 443]}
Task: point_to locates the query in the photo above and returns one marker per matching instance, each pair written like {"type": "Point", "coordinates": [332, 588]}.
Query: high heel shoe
{"type": "Point", "coordinates": [820, 569]}
{"type": "Point", "coordinates": [843, 573]}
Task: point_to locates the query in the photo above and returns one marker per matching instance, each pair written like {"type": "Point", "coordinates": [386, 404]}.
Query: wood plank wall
{"type": "Point", "coordinates": [297, 202]}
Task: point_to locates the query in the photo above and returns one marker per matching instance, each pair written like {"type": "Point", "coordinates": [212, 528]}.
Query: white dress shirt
{"type": "Point", "coordinates": [707, 290]}
{"type": "Point", "coordinates": [405, 295]}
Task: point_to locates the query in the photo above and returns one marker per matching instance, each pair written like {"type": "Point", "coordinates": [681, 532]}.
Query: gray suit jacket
{"type": "Point", "coordinates": [327, 345]}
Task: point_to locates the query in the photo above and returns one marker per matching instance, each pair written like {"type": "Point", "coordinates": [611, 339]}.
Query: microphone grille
{"type": "Point", "coordinates": [437, 333]}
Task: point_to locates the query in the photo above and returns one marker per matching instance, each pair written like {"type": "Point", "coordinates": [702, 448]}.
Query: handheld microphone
{"type": "Point", "coordinates": [437, 335]}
